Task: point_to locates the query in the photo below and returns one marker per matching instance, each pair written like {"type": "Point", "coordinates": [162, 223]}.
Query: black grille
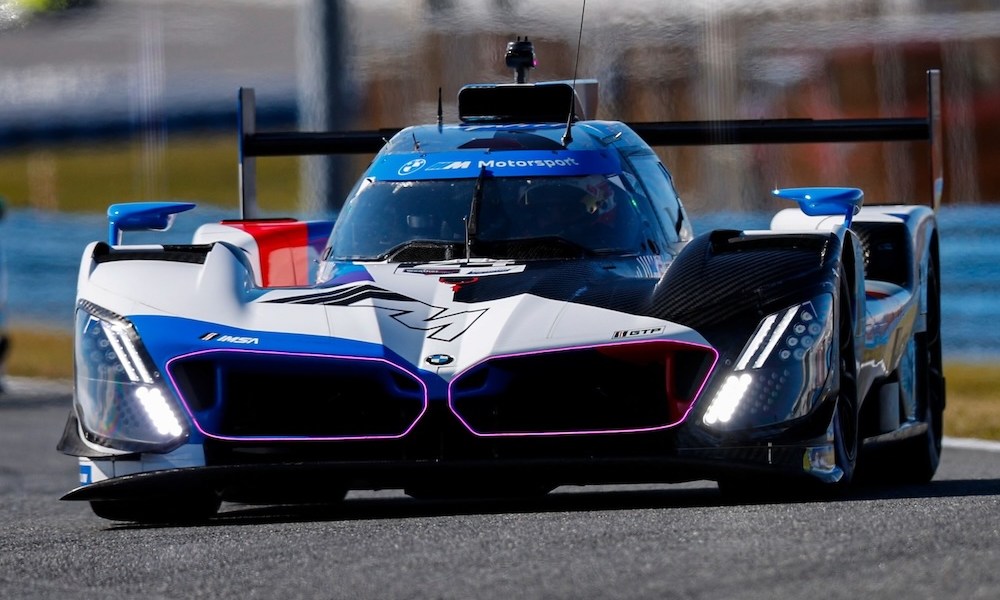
{"type": "Point", "coordinates": [250, 394]}
{"type": "Point", "coordinates": [609, 388]}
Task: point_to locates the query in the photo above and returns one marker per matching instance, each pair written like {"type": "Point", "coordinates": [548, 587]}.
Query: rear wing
{"type": "Point", "coordinates": [664, 133]}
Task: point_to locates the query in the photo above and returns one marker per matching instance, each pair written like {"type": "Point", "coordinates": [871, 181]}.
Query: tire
{"type": "Point", "coordinates": [188, 510]}
{"type": "Point", "coordinates": [918, 458]}
{"type": "Point", "coordinates": [846, 440]}
{"type": "Point", "coordinates": [915, 460]}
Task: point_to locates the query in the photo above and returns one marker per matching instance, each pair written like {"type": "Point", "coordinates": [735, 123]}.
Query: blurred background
{"type": "Point", "coordinates": [106, 101]}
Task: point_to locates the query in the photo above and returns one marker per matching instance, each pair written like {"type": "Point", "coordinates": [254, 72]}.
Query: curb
{"type": "Point", "coordinates": [971, 444]}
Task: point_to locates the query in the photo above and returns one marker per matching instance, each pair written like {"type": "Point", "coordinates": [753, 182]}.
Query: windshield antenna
{"type": "Point", "coordinates": [472, 222]}
{"type": "Point", "coordinates": [568, 136]}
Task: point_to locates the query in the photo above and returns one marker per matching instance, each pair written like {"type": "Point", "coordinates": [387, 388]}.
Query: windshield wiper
{"type": "Point", "coordinates": [418, 251]}
{"type": "Point", "coordinates": [472, 222]}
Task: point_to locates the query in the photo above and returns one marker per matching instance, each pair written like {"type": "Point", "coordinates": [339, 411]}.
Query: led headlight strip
{"type": "Point", "coordinates": [799, 327]}
{"type": "Point", "coordinates": [158, 411]}
{"type": "Point", "coordinates": [727, 399]}
{"type": "Point", "coordinates": [120, 397]}
{"type": "Point", "coordinates": [767, 335]}
{"type": "Point", "coordinates": [786, 336]}
{"type": "Point", "coordinates": [126, 351]}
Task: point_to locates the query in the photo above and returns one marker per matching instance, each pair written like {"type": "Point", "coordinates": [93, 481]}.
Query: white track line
{"type": "Point", "coordinates": [971, 444]}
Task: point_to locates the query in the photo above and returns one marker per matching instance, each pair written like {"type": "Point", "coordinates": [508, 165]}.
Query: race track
{"type": "Point", "coordinates": [933, 541]}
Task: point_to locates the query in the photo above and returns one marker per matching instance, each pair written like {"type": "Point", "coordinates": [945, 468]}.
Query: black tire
{"type": "Point", "coordinates": [915, 460]}
{"type": "Point", "coordinates": [918, 458]}
{"type": "Point", "coordinates": [188, 510]}
{"type": "Point", "coordinates": [846, 440]}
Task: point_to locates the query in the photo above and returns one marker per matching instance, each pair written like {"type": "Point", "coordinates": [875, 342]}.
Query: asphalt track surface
{"type": "Point", "coordinates": [932, 541]}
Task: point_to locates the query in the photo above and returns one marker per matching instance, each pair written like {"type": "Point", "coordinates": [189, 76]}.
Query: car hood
{"type": "Point", "coordinates": [453, 312]}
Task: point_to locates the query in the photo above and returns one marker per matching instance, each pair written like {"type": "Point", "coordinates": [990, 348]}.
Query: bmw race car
{"type": "Point", "coordinates": [504, 305]}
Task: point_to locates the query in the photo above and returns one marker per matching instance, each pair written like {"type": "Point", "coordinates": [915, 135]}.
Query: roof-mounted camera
{"type": "Point", "coordinates": [520, 57]}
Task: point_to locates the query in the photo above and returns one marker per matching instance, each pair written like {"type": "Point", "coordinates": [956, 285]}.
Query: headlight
{"type": "Point", "coordinates": [781, 371]}
{"type": "Point", "coordinates": [121, 400]}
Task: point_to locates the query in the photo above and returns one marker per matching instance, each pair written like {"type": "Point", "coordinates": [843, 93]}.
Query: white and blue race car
{"type": "Point", "coordinates": [505, 305]}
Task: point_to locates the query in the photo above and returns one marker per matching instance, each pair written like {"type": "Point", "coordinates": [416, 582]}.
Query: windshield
{"type": "Point", "coordinates": [517, 217]}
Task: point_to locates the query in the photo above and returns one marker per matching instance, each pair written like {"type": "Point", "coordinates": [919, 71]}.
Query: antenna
{"type": "Point", "coordinates": [568, 136]}
{"type": "Point", "coordinates": [440, 109]}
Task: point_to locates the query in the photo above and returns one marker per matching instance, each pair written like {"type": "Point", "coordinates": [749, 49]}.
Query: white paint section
{"type": "Point", "coordinates": [99, 469]}
{"type": "Point", "coordinates": [217, 232]}
{"type": "Point", "coordinates": [411, 311]}
{"type": "Point", "coordinates": [219, 291]}
{"type": "Point", "coordinates": [793, 219]}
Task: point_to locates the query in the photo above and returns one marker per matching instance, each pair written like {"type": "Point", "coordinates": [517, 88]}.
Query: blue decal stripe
{"type": "Point", "coordinates": [509, 163]}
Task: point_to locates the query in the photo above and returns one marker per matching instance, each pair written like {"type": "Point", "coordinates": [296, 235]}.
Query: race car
{"type": "Point", "coordinates": [504, 305]}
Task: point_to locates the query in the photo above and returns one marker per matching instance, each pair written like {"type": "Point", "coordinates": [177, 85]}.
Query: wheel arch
{"type": "Point", "coordinates": [725, 281]}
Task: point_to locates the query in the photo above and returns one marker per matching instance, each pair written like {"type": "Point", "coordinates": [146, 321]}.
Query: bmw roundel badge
{"type": "Point", "coordinates": [439, 360]}
{"type": "Point", "coordinates": [412, 165]}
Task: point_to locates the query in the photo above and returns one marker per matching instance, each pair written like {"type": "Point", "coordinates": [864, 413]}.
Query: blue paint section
{"type": "Point", "coordinates": [167, 337]}
{"type": "Point", "coordinates": [86, 475]}
{"type": "Point", "coordinates": [318, 232]}
{"type": "Point", "coordinates": [176, 344]}
{"type": "Point", "coordinates": [140, 216]}
{"type": "Point", "coordinates": [511, 163]}
{"type": "Point", "coordinates": [342, 273]}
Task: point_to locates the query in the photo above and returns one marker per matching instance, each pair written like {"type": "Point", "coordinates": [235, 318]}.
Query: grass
{"type": "Point", "coordinates": [89, 177]}
{"type": "Point", "coordinates": [973, 388]}
{"type": "Point", "coordinates": [38, 352]}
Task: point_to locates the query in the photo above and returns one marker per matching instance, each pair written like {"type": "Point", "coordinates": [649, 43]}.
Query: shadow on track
{"type": "Point", "coordinates": [401, 507]}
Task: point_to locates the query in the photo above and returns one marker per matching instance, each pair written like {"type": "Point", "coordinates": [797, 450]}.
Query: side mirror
{"type": "Point", "coordinates": [825, 201]}
{"type": "Point", "coordinates": [142, 216]}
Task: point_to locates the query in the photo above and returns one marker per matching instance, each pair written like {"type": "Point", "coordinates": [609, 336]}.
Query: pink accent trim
{"type": "Point", "coordinates": [187, 409]}
{"type": "Point", "coordinates": [674, 343]}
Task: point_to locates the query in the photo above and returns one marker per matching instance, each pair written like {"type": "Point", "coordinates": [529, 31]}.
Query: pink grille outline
{"type": "Point", "coordinates": [190, 413]}
{"type": "Point", "coordinates": [669, 343]}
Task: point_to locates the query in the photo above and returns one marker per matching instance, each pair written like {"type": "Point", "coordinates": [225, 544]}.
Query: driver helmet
{"type": "Point", "coordinates": [599, 199]}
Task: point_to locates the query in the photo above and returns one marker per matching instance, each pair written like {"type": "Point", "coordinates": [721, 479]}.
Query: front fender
{"type": "Point", "coordinates": [724, 282]}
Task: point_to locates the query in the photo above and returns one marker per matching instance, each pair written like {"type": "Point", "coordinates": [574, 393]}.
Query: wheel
{"type": "Point", "coordinates": [845, 418]}
{"type": "Point", "coordinates": [915, 460]}
{"type": "Point", "coordinates": [918, 458]}
{"type": "Point", "coordinates": [187, 510]}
